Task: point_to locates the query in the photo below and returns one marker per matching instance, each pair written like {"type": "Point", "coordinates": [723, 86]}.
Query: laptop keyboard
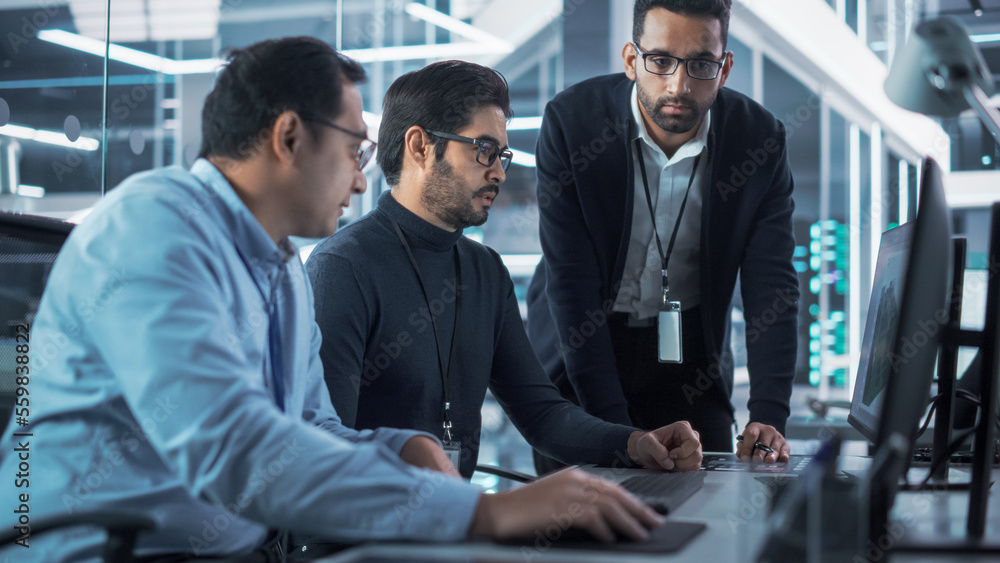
{"type": "Point", "coordinates": [665, 492]}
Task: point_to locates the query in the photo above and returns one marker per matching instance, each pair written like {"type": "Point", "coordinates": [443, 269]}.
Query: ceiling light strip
{"type": "Point", "coordinates": [49, 137]}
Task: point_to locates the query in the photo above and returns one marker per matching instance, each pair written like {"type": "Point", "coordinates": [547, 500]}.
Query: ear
{"type": "Point", "coordinates": [286, 136]}
{"type": "Point", "coordinates": [727, 66]}
{"type": "Point", "coordinates": [417, 148]}
{"type": "Point", "coordinates": [629, 57]}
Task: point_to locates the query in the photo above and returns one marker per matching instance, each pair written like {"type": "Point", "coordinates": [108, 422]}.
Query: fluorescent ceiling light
{"type": "Point", "coordinates": [126, 55]}
{"type": "Point", "coordinates": [879, 46]}
{"type": "Point", "coordinates": [30, 191]}
{"type": "Point", "coordinates": [525, 123]}
{"type": "Point", "coordinates": [49, 137]}
{"type": "Point", "coordinates": [483, 43]}
{"type": "Point", "coordinates": [410, 52]}
{"type": "Point", "coordinates": [985, 37]}
{"type": "Point", "coordinates": [456, 26]}
{"type": "Point", "coordinates": [523, 158]}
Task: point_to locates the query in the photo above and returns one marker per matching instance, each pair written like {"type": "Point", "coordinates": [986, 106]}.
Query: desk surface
{"type": "Point", "coordinates": [727, 538]}
{"type": "Point", "coordinates": [734, 506]}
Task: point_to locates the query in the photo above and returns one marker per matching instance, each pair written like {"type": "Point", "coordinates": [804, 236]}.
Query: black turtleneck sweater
{"type": "Point", "coordinates": [380, 356]}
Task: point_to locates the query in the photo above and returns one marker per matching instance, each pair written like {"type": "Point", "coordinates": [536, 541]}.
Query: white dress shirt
{"type": "Point", "coordinates": [641, 292]}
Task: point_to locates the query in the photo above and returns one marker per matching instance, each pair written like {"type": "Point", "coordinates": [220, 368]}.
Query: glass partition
{"type": "Point", "coordinates": [51, 106]}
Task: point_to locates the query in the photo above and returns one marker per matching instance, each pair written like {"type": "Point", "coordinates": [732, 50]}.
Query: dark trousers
{"type": "Point", "coordinates": [660, 394]}
{"type": "Point", "coordinates": [274, 550]}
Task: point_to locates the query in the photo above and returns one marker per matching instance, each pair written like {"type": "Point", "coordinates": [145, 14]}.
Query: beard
{"type": "Point", "coordinates": [446, 197]}
{"type": "Point", "coordinates": [675, 123]}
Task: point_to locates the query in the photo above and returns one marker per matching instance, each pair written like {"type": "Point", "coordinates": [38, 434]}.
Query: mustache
{"type": "Point", "coordinates": [487, 190]}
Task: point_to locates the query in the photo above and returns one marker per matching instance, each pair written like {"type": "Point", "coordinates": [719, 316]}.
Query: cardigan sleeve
{"type": "Point", "coordinates": [549, 422]}
{"type": "Point", "coordinates": [770, 293]}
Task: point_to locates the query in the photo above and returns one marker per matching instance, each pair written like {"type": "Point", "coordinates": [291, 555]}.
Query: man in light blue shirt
{"type": "Point", "coordinates": [174, 359]}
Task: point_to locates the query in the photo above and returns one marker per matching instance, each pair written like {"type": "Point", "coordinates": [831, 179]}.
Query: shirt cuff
{"type": "Point", "coordinates": [440, 509]}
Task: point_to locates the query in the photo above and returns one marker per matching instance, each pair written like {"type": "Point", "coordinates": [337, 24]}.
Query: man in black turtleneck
{"type": "Point", "coordinates": [392, 288]}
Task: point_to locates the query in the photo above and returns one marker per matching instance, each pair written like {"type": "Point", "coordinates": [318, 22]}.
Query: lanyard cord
{"type": "Point", "coordinates": [445, 368]}
{"type": "Point", "coordinates": [273, 335]}
{"type": "Point", "coordinates": [665, 257]}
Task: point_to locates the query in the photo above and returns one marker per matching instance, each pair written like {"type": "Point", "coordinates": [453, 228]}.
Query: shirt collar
{"type": "Point", "coordinates": [250, 238]}
{"type": "Point", "coordinates": [692, 148]}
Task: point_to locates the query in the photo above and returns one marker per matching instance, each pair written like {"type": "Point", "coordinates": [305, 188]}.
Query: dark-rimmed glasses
{"type": "Point", "coordinates": [365, 150]}
{"type": "Point", "coordinates": [488, 150]}
{"type": "Point", "coordinates": [699, 69]}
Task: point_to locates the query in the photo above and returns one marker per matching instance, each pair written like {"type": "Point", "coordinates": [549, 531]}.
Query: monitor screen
{"type": "Point", "coordinates": [875, 364]}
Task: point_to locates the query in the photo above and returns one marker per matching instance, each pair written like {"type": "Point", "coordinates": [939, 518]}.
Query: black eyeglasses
{"type": "Point", "coordinates": [699, 69]}
{"type": "Point", "coordinates": [365, 151]}
{"type": "Point", "coordinates": [488, 150]}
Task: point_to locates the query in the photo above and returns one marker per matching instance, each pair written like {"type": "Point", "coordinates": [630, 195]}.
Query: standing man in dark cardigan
{"type": "Point", "coordinates": [665, 140]}
{"type": "Point", "coordinates": [418, 320]}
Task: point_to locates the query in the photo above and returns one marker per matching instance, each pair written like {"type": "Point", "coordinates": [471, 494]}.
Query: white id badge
{"type": "Point", "coordinates": [670, 349]}
{"type": "Point", "coordinates": [454, 451]}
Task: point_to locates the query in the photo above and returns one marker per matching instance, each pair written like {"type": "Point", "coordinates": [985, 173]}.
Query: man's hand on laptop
{"type": "Point", "coordinates": [674, 447]}
{"type": "Point", "coordinates": [755, 435]}
{"type": "Point", "coordinates": [566, 499]}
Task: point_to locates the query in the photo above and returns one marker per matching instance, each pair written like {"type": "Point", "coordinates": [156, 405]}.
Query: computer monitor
{"type": "Point", "coordinates": [875, 364]}
{"type": "Point", "coordinates": [922, 318]}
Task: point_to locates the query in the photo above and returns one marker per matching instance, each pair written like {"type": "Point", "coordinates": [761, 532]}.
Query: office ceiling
{"type": "Point", "coordinates": [43, 83]}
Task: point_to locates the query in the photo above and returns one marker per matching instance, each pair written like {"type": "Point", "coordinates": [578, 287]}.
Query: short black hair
{"type": "Point", "coordinates": [441, 96]}
{"type": "Point", "coordinates": [718, 9]}
{"type": "Point", "coordinates": [259, 82]}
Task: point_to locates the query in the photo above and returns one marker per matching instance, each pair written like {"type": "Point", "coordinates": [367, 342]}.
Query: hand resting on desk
{"type": "Point", "coordinates": [757, 433]}
{"type": "Point", "coordinates": [674, 447]}
{"type": "Point", "coordinates": [568, 499]}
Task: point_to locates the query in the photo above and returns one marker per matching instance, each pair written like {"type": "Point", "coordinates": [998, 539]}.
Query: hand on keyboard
{"type": "Point", "coordinates": [567, 499]}
{"type": "Point", "coordinates": [674, 447]}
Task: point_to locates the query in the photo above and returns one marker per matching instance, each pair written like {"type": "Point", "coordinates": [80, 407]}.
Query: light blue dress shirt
{"type": "Point", "coordinates": [151, 391]}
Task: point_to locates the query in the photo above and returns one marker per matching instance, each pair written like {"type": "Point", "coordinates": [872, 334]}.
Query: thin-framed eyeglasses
{"type": "Point", "coordinates": [699, 69]}
{"type": "Point", "coordinates": [365, 150]}
{"type": "Point", "coordinates": [488, 150]}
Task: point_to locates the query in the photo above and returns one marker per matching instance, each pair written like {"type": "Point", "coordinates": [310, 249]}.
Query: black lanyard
{"type": "Point", "coordinates": [445, 368]}
{"type": "Point", "coordinates": [665, 257]}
